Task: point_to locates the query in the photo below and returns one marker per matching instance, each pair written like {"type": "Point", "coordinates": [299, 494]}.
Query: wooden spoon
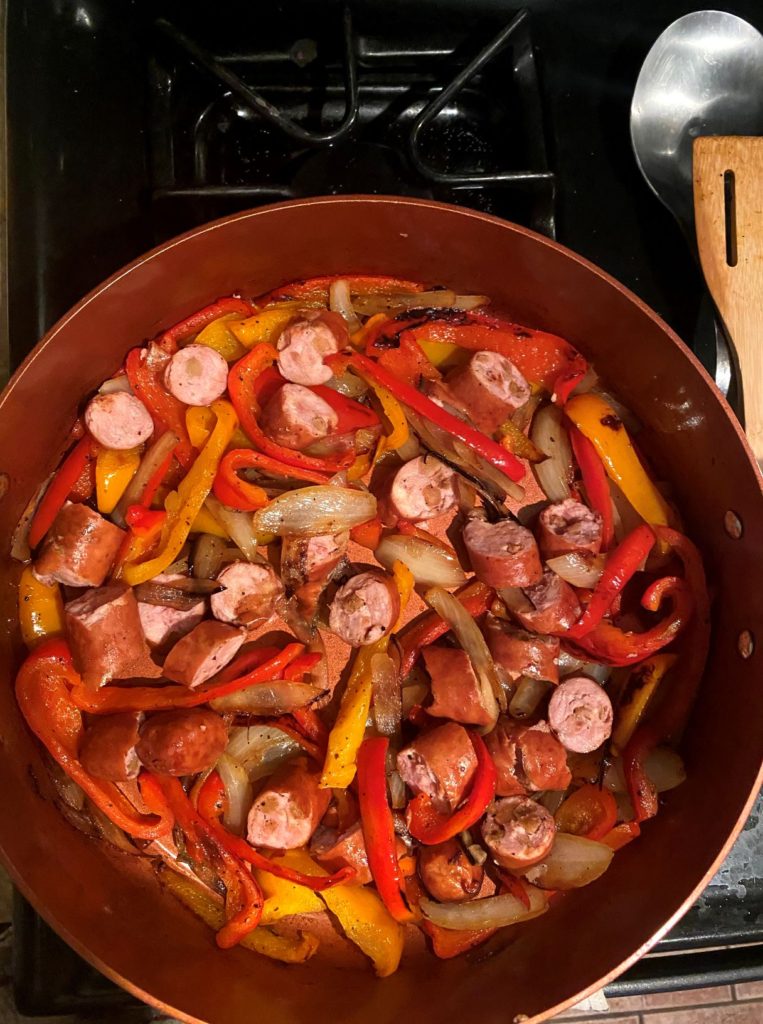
{"type": "Point", "coordinates": [728, 209]}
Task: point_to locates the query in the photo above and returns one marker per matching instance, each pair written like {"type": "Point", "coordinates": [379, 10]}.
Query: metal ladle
{"type": "Point", "coordinates": [703, 76]}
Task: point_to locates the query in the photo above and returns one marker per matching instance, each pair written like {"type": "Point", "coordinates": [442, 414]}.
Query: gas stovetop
{"type": "Point", "coordinates": [153, 117]}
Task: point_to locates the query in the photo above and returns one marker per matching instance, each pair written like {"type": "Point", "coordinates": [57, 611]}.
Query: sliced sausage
{"type": "Point", "coordinates": [526, 758]}
{"type": "Point", "coordinates": [106, 637]}
{"type": "Point", "coordinates": [295, 417]}
{"type": "Point", "coordinates": [438, 392]}
{"type": "Point", "coordinates": [447, 872]}
{"type": "Point", "coordinates": [251, 594]}
{"type": "Point", "coordinates": [163, 625]}
{"type": "Point", "coordinates": [518, 832]}
{"type": "Point", "coordinates": [365, 608]}
{"type": "Point", "coordinates": [502, 554]}
{"type": "Point", "coordinates": [118, 420]}
{"type": "Point", "coordinates": [455, 688]}
{"type": "Point", "coordinates": [203, 652]}
{"type": "Point", "coordinates": [336, 850]}
{"type": "Point", "coordinates": [107, 750]}
{"type": "Point", "coordinates": [304, 344]}
{"type": "Point", "coordinates": [580, 713]}
{"type": "Point", "coordinates": [289, 808]}
{"type": "Point", "coordinates": [440, 764]}
{"type": "Point", "coordinates": [521, 653]}
{"type": "Point", "coordinates": [490, 387]}
{"type": "Point", "coordinates": [79, 548]}
{"type": "Point", "coordinates": [196, 375]}
{"type": "Point", "coordinates": [553, 605]}
{"type": "Point", "coordinates": [184, 741]}
{"type": "Point", "coordinates": [569, 526]}
{"type": "Point", "coordinates": [421, 489]}
{"type": "Point", "coordinates": [307, 564]}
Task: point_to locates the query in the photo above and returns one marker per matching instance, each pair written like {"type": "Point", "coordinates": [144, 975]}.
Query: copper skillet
{"type": "Point", "coordinates": [110, 908]}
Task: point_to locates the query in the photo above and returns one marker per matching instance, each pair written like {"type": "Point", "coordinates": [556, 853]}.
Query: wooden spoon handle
{"type": "Point", "coordinates": [728, 205]}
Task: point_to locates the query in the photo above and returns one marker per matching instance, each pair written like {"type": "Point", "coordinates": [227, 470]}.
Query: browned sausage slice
{"type": "Point", "coordinates": [455, 688]}
{"type": "Point", "coordinates": [307, 564]}
{"type": "Point", "coordinates": [108, 746]}
{"type": "Point", "coordinates": [447, 872]}
{"type": "Point", "coordinates": [553, 605]}
{"type": "Point", "coordinates": [196, 375]}
{"type": "Point", "coordinates": [526, 758]}
{"type": "Point", "coordinates": [440, 764]}
{"type": "Point", "coordinates": [304, 344]}
{"type": "Point", "coordinates": [106, 636]}
{"type": "Point", "coordinates": [295, 417]}
{"type": "Point", "coordinates": [250, 596]}
{"type": "Point", "coordinates": [118, 420]}
{"type": "Point", "coordinates": [79, 549]}
{"type": "Point", "coordinates": [184, 741]}
{"type": "Point", "coordinates": [518, 832]}
{"type": "Point", "coordinates": [289, 808]}
{"type": "Point", "coordinates": [569, 526]}
{"type": "Point", "coordinates": [521, 653]}
{"type": "Point", "coordinates": [365, 608]}
{"type": "Point", "coordinates": [421, 489]}
{"type": "Point", "coordinates": [163, 625]}
{"type": "Point", "coordinates": [580, 713]}
{"type": "Point", "coordinates": [335, 850]}
{"type": "Point", "coordinates": [490, 387]}
{"type": "Point", "coordinates": [203, 652]}
{"type": "Point", "coordinates": [502, 554]}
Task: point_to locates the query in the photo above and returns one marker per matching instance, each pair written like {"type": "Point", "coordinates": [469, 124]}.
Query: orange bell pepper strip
{"type": "Point", "coordinates": [234, 492]}
{"type": "Point", "coordinates": [60, 487]}
{"type": "Point", "coordinates": [42, 692]}
{"type": "Point", "coordinates": [368, 534]}
{"type": "Point", "coordinates": [41, 609]}
{"type": "Point", "coordinates": [590, 812]}
{"type": "Point", "coordinates": [185, 330]}
{"type": "Point", "coordinates": [145, 372]}
{"type": "Point", "coordinates": [621, 835]}
{"type": "Point", "coordinates": [316, 289]}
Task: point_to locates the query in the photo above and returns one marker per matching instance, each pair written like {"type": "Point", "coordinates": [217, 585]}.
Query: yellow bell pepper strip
{"type": "Point", "coordinates": [399, 431]}
{"type": "Point", "coordinates": [361, 336]}
{"type": "Point", "coordinates": [199, 900]}
{"type": "Point", "coordinates": [191, 494]}
{"type": "Point", "coordinates": [264, 326]}
{"type": "Point", "coordinates": [284, 898]}
{"type": "Point", "coordinates": [41, 609]}
{"type": "Point", "coordinates": [350, 725]}
{"type": "Point", "coordinates": [441, 354]}
{"type": "Point", "coordinates": [219, 336]}
{"type": "Point", "coordinates": [599, 422]}
{"type": "Point", "coordinates": [518, 443]}
{"type": "Point", "coordinates": [42, 692]}
{"type": "Point", "coordinates": [205, 522]}
{"type": "Point", "coordinates": [639, 690]}
{"type": "Point", "coordinates": [186, 330]}
{"type": "Point", "coordinates": [362, 915]}
{"type": "Point", "coordinates": [199, 422]}
{"type": "Point", "coordinates": [113, 472]}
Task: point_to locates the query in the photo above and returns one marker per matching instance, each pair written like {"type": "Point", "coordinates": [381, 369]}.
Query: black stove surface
{"type": "Point", "coordinates": [154, 116]}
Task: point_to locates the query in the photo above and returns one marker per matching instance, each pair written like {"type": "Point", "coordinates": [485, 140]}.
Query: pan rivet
{"type": "Point", "coordinates": [733, 525]}
{"type": "Point", "coordinates": [745, 643]}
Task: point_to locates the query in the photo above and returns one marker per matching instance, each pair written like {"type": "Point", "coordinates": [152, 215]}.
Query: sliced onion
{"type": "Point", "coordinates": [568, 663]}
{"type": "Point", "coordinates": [397, 795]}
{"type": "Point", "coordinates": [413, 694]}
{"type": "Point", "coordinates": [431, 565]}
{"type": "Point", "coordinates": [578, 570]}
{"type": "Point", "coordinates": [238, 790]}
{"type": "Point", "coordinates": [180, 594]}
{"type": "Point", "coordinates": [339, 302]}
{"type": "Point", "coordinates": [664, 766]}
{"type": "Point", "coordinates": [149, 464]}
{"type": "Point", "coordinates": [527, 698]}
{"type": "Point", "coordinates": [311, 511]}
{"type": "Point", "coordinates": [572, 863]}
{"type": "Point", "coordinates": [489, 912]}
{"type": "Point", "coordinates": [115, 384]}
{"type": "Point", "coordinates": [631, 421]}
{"type": "Point", "coordinates": [109, 831]}
{"type": "Point", "coordinates": [369, 305]}
{"type": "Point", "coordinates": [208, 554]}
{"type": "Point", "coordinates": [238, 526]}
{"type": "Point", "coordinates": [260, 749]}
{"type": "Point", "coordinates": [549, 434]}
{"type": "Point", "coordinates": [387, 700]}
{"type": "Point", "coordinates": [473, 642]}
{"type": "Point", "coordinates": [515, 599]}
{"type": "Point", "coordinates": [348, 385]}
{"type": "Point", "coordinates": [410, 448]}
{"type": "Point", "coordinates": [278, 697]}
{"type": "Point", "coordinates": [552, 799]}
{"type": "Point", "coordinates": [477, 853]}
{"type": "Point", "coordinates": [624, 515]}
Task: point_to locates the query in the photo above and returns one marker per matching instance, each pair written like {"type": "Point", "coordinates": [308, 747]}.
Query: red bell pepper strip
{"type": "Point", "coordinates": [317, 288]}
{"type": "Point", "coordinates": [621, 565]}
{"type": "Point", "coordinates": [368, 534]}
{"type": "Point", "coordinates": [513, 886]}
{"type": "Point", "coordinates": [669, 719]}
{"type": "Point", "coordinates": [352, 415]}
{"type": "Point", "coordinates": [145, 522]}
{"type": "Point", "coordinates": [621, 835]}
{"type": "Point", "coordinates": [243, 896]}
{"type": "Point", "coordinates": [613, 646]}
{"type": "Point", "coordinates": [145, 371]}
{"type": "Point", "coordinates": [288, 725]}
{"type": "Point", "coordinates": [211, 805]}
{"type": "Point", "coordinates": [302, 665]}
{"type": "Point", "coordinates": [595, 482]}
{"type": "Point", "coordinates": [430, 827]}
{"type": "Point", "coordinates": [110, 699]}
{"type": "Point", "coordinates": [231, 490]}
{"type": "Point", "coordinates": [243, 391]}
{"type": "Point", "coordinates": [480, 443]}
{"type": "Point", "coordinates": [155, 481]}
{"type": "Point", "coordinates": [196, 322]}
{"type": "Point", "coordinates": [59, 488]}
{"type": "Point", "coordinates": [475, 597]}
{"type": "Point", "coordinates": [446, 942]}
{"type": "Point", "coordinates": [569, 378]}
{"type": "Point", "coordinates": [590, 812]}
{"type": "Point", "coordinates": [312, 726]}
{"type": "Point", "coordinates": [378, 826]}
{"type": "Point", "coordinates": [401, 353]}
{"type": "Point", "coordinates": [84, 485]}
{"type": "Point", "coordinates": [42, 692]}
